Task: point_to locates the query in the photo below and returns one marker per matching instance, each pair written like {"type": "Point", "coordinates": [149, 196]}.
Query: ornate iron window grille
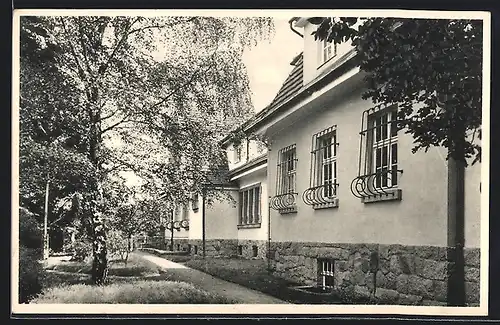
{"type": "Point", "coordinates": [285, 199]}
{"type": "Point", "coordinates": [323, 171]}
{"type": "Point", "coordinates": [378, 155]}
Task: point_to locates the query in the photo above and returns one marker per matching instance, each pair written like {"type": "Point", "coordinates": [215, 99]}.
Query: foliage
{"type": "Point", "coordinates": [119, 100]}
{"type": "Point", "coordinates": [30, 234]}
{"type": "Point", "coordinates": [31, 274]}
{"type": "Point", "coordinates": [430, 68]}
{"type": "Point", "coordinates": [119, 245]}
{"type": "Point", "coordinates": [81, 249]}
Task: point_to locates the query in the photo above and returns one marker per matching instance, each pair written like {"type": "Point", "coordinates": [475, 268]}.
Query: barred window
{"type": "Point", "coordinates": [323, 179]}
{"type": "Point", "coordinates": [384, 149]}
{"type": "Point", "coordinates": [326, 273]}
{"type": "Point", "coordinates": [250, 213]}
{"type": "Point", "coordinates": [286, 179]}
{"type": "Point", "coordinates": [378, 160]}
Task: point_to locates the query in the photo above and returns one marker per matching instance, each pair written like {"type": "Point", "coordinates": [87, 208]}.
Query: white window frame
{"type": "Point", "coordinates": [238, 153]}
{"type": "Point", "coordinates": [383, 136]}
{"type": "Point", "coordinates": [330, 149]}
{"type": "Point", "coordinates": [250, 213]}
{"type": "Point", "coordinates": [289, 171]}
{"type": "Point", "coordinates": [326, 271]}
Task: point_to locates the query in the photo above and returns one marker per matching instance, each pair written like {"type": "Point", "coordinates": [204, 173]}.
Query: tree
{"type": "Point", "coordinates": [431, 69]}
{"type": "Point", "coordinates": [128, 87]}
{"type": "Point", "coordinates": [132, 211]}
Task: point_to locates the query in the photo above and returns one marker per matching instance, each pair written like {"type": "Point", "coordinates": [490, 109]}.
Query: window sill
{"type": "Point", "coordinates": [390, 195]}
{"type": "Point", "coordinates": [327, 205]}
{"type": "Point", "coordinates": [289, 210]}
{"type": "Point", "coordinates": [249, 226]}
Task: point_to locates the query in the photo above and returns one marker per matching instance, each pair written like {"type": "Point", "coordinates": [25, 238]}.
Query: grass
{"type": "Point", "coordinates": [138, 282]}
{"type": "Point", "coordinates": [252, 274]}
{"type": "Point", "coordinates": [135, 292]}
{"type": "Point", "coordinates": [134, 267]}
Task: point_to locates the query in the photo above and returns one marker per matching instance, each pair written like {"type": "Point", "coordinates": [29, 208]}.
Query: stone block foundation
{"type": "Point", "coordinates": [390, 274]}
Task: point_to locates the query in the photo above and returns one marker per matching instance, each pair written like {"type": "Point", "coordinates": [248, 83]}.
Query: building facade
{"type": "Point", "coordinates": [352, 208]}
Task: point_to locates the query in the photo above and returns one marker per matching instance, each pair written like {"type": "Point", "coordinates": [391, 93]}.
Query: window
{"type": "Point", "coordinates": [185, 211]}
{"type": "Point", "coordinates": [250, 207]}
{"type": "Point", "coordinates": [384, 157]}
{"type": "Point", "coordinates": [238, 152]}
{"type": "Point", "coordinates": [284, 200]}
{"type": "Point", "coordinates": [326, 273]}
{"type": "Point", "coordinates": [328, 50]}
{"type": "Point", "coordinates": [194, 202]}
{"type": "Point", "coordinates": [323, 182]}
{"type": "Point", "coordinates": [378, 165]}
{"type": "Point", "coordinates": [255, 251]}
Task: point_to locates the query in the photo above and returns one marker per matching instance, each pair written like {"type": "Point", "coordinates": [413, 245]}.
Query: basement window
{"type": "Point", "coordinates": [326, 273]}
{"type": "Point", "coordinates": [255, 250]}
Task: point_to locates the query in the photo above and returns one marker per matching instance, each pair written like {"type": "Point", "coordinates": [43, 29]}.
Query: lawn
{"type": "Point", "coordinates": [138, 282]}
{"type": "Point", "coordinates": [135, 292]}
{"type": "Point", "coordinates": [252, 274]}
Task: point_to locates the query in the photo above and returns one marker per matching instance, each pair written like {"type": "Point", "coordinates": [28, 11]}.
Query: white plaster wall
{"type": "Point", "coordinates": [221, 218]}
{"type": "Point", "coordinates": [257, 177]}
{"type": "Point", "coordinates": [312, 65]}
{"type": "Point", "coordinates": [418, 219]}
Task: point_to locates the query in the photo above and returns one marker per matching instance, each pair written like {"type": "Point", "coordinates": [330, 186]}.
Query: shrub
{"type": "Point", "coordinates": [81, 250]}
{"type": "Point", "coordinates": [31, 274]}
{"type": "Point", "coordinates": [118, 245]}
{"type": "Point", "coordinates": [30, 234]}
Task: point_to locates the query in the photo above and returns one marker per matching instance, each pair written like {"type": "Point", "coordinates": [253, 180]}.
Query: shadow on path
{"type": "Point", "coordinates": [235, 292]}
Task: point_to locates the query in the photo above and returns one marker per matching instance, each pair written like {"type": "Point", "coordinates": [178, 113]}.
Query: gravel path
{"type": "Point", "coordinates": [235, 292]}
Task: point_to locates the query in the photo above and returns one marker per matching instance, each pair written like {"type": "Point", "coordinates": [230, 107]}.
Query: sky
{"type": "Point", "coordinates": [268, 63]}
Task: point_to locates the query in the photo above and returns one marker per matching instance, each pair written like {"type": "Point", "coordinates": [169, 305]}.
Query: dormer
{"type": "Point", "coordinates": [244, 151]}
{"type": "Point", "coordinates": [319, 57]}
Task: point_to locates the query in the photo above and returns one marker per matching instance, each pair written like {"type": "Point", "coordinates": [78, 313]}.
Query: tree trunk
{"type": "Point", "coordinates": [100, 263]}
{"type": "Point", "coordinates": [456, 209]}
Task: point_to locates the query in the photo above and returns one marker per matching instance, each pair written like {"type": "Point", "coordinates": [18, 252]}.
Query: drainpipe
{"type": "Point", "coordinates": [203, 220]}
{"type": "Point", "coordinates": [269, 234]}
{"type": "Point", "coordinates": [45, 221]}
{"type": "Point", "coordinates": [291, 21]}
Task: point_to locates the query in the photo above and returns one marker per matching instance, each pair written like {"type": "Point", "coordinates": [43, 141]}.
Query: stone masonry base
{"type": "Point", "coordinates": [392, 274]}
{"type": "Point", "coordinates": [250, 249]}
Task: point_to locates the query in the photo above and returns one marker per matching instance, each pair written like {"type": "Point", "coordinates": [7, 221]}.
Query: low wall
{"type": "Point", "coordinates": [405, 275]}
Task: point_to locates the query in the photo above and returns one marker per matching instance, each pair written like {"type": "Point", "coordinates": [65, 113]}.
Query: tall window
{"type": "Point", "coordinates": [384, 148]}
{"type": "Point", "coordinates": [287, 169]}
{"type": "Point", "coordinates": [194, 202]}
{"type": "Point", "coordinates": [250, 212]}
{"type": "Point", "coordinates": [328, 51]}
{"type": "Point", "coordinates": [323, 182]}
{"type": "Point", "coordinates": [286, 188]}
{"type": "Point", "coordinates": [238, 153]}
{"type": "Point", "coordinates": [378, 172]}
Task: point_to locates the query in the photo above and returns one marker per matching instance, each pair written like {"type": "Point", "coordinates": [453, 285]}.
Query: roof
{"type": "Point", "coordinates": [289, 89]}
{"type": "Point", "coordinates": [219, 176]}
{"type": "Point", "coordinates": [293, 89]}
{"type": "Point", "coordinates": [257, 161]}
{"type": "Point", "coordinates": [292, 83]}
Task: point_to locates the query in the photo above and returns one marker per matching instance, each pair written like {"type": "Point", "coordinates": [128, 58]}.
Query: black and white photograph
{"type": "Point", "coordinates": [250, 161]}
